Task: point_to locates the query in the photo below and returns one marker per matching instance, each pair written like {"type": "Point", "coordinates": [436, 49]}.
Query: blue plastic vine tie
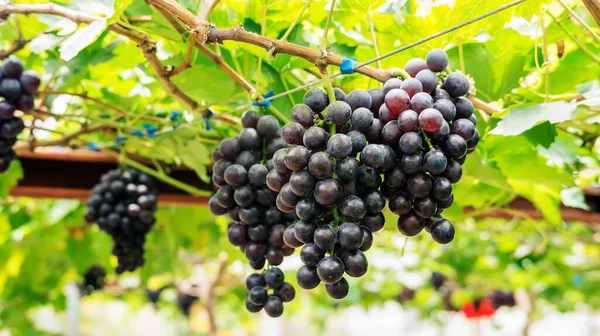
{"type": "Point", "coordinates": [347, 66]}
{"type": "Point", "coordinates": [175, 115]}
{"type": "Point", "coordinates": [120, 140]}
{"type": "Point", "coordinates": [206, 117]}
{"type": "Point", "coordinates": [92, 146]}
{"type": "Point", "coordinates": [137, 133]}
{"type": "Point", "coordinates": [265, 103]}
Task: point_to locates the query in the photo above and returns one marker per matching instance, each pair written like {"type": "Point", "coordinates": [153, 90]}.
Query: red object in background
{"type": "Point", "coordinates": [479, 309]}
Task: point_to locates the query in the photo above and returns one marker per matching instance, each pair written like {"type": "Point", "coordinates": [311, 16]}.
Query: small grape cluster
{"type": "Point", "coordinates": [185, 302]}
{"type": "Point", "coordinates": [335, 196]}
{"type": "Point", "coordinates": [501, 298]}
{"type": "Point", "coordinates": [93, 279]}
{"type": "Point", "coordinates": [17, 88]}
{"type": "Point", "coordinates": [123, 205]}
{"type": "Point", "coordinates": [268, 291]}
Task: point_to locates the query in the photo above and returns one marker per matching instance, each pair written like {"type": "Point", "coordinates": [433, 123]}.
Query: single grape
{"type": "Point", "coordinates": [442, 231]}
{"type": "Point", "coordinates": [255, 280]}
{"type": "Point", "coordinates": [276, 180]}
{"type": "Point", "coordinates": [408, 121]}
{"type": "Point", "coordinates": [30, 81]}
{"type": "Point", "coordinates": [223, 196]}
{"type": "Point", "coordinates": [25, 103]}
{"type": "Point", "coordinates": [235, 175]}
{"type": "Point", "coordinates": [438, 94]}
{"type": "Point", "coordinates": [372, 156]}
{"type": "Point", "coordinates": [274, 306]}
{"type": "Point", "coordinates": [325, 237]}
{"type": "Point", "coordinates": [340, 95]}
{"type": "Point", "coordinates": [258, 233]}
{"type": "Point", "coordinates": [258, 295]}
{"type": "Point", "coordinates": [441, 189]}
{"type": "Point", "coordinates": [445, 204]}
{"type": "Point", "coordinates": [396, 101]}
{"type": "Point", "coordinates": [374, 200]}
{"type": "Point", "coordinates": [464, 128]}
{"type": "Point", "coordinates": [279, 162]}
{"type": "Point", "coordinates": [330, 270]}
{"type": "Point", "coordinates": [250, 119]}
{"type": "Point", "coordinates": [396, 177]}
{"type": "Point", "coordinates": [434, 162]}
{"type": "Point", "coordinates": [10, 89]}
{"type": "Point", "coordinates": [428, 79]}
{"type": "Point", "coordinates": [385, 115]}
{"type": "Point", "coordinates": [456, 84]}
{"type": "Point", "coordinates": [302, 114]}
{"type": "Point", "coordinates": [251, 307]}
{"type": "Point", "coordinates": [419, 185]}
{"type": "Point", "coordinates": [368, 178]}
{"type": "Point", "coordinates": [307, 277]}
{"type": "Point", "coordinates": [268, 127]}
{"type": "Point", "coordinates": [454, 146]}
{"type": "Point", "coordinates": [315, 139]}
{"type": "Point", "coordinates": [410, 224]}
{"type": "Point", "coordinates": [347, 169]}
{"type": "Point", "coordinates": [414, 65]}
{"type": "Point", "coordinates": [359, 98]}
{"type": "Point", "coordinates": [292, 133]}
{"type": "Point", "coordinates": [411, 163]}
{"type": "Point", "coordinates": [374, 133]}
{"type": "Point", "coordinates": [297, 157]}
{"type": "Point", "coordinates": [286, 292]}
{"type": "Point", "coordinates": [274, 277]}
{"type": "Point", "coordinates": [420, 102]}
{"type": "Point", "coordinates": [453, 171]}
{"type": "Point", "coordinates": [350, 236]}
{"type": "Point", "coordinates": [338, 290]}
{"type": "Point", "coordinates": [353, 208]}
{"type": "Point", "coordinates": [472, 143]}
{"type": "Point", "coordinates": [464, 108]}
{"type": "Point", "coordinates": [255, 251]}
{"type": "Point", "coordinates": [316, 99]}
{"type": "Point", "coordinates": [391, 84]}
{"type": "Point", "coordinates": [250, 215]}
{"type": "Point", "coordinates": [328, 192]}
{"type": "Point", "coordinates": [339, 112]}
{"type": "Point", "coordinates": [257, 175]}
{"type": "Point", "coordinates": [400, 204]}
{"type": "Point", "coordinates": [412, 86]}
{"type": "Point", "coordinates": [12, 67]}
{"type": "Point", "coordinates": [425, 207]}
{"type": "Point", "coordinates": [7, 110]}
{"type": "Point", "coordinates": [248, 158]}
{"type": "Point", "coordinates": [339, 146]}
{"type": "Point", "coordinates": [302, 183]}
{"type": "Point", "coordinates": [362, 119]}
{"type": "Point", "coordinates": [274, 256]}
{"type": "Point", "coordinates": [410, 143]}
{"type": "Point", "coordinates": [439, 135]}
{"type": "Point", "coordinates": [446, 108]}
{"type": "Point", "coordinates": [311, 254]}
{"type": "Point", "coordinates": [289, 237]}
{"type": "Point", "coordinates": [436, 60]}
{"type": "Point", "coordinates": [377, 99]}
{"type": "Point", "coordinates": [373, 222]}
{"type": "Point", "coordinates": [473, 119]}
{"type": "Point", "coordinates": [367, 239]}
{"type": "Point", "coordinates": [391, 133]}
{"type": "Point", "coordinates": [307, 209]}
{"type": "Point", "coordinates": [249, 139]}
{"type": "Point", "coordinates": [355, 263]}
{"type": "Point", "coordinates": [359, 141]}
{"type": "Point", "coordinates": [321, 165]}
{"type": "Point", "coordinates": [390, 158]}
{"type": "Point", "coordinates": [431, 120]}
{"type": "Point", "coordinates": [282, 206]}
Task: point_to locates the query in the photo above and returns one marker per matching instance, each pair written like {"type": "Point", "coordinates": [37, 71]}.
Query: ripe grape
{"type": "Point", "coordinates": [316, 99]}
{"type": "Point", "coordinates": [397, 100]}
{"type": "Point", "coordinates": [338, 290]}
{"type": "Point", "coordinates": [300, 113]}
{"type": "Point", "coordinates": [431, 120]}
{"type": "Point", "coordinates": [377, 99]}
{"type": "Point", "coordinates": [339, 112]}
{"type": "Point", "coordinates": [464, 108]}
{"type": "Point", "coordinates": [414, 65]}
{"type": "Point", "coordinates": [436, 60]}
{"type": "Point", "coordinates": [355, 263]}
{"type": "Point", "coordinates": [321, 165]}
{"type": "Point", "coordinates": [428, 79]}
{"type": "Point", "coordinates": [446, 108]}
{"type": "Point", "coordinates": [454, 146]}
{"type": "Point", "coordinates": [391, 84]}
{"type": "Point", "coordinates": [456, 84]}
{"type": "Point", "coordinates": [408, 121]}
{"type": "Point", "coordinates": [464, 128]}
{"type": "Point", "coordinates": [330, 270]}
{"type": "Point", "coordinates": [412, 86]}
{"type": "Point", "coordinates": [307, 277]}
{"type": "Point", "coordinates": [292, 133]}
{"type": "Point", "coordinates": [442, 231]}
{"type": "Point", "coordinates": [434, 162]}
{"type": "Point", "coordinates": [391, 133]}
{"type": "Point", "coordinates": [359, 98]}
{"type": "Point", "coordinates": [410, 143]}
{"type": "Point", "coordinates": [410, 224]}
{"type": "Point", "coordinates": [339, 146]}
{"type": "Point", "coordinates": [362, 119]}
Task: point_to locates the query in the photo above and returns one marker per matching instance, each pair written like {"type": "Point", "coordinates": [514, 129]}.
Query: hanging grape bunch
{"type": "Point", "coordinates": [94, 279]}
{"type": "Point", "coordinates": [436, 129]}
{"type": "Point", "coordinates": [17, 88]}
{"type": "Point", "coordinates": [240, 171]}
{"type": "Point", "coordinates": [335, 196]}
{"type": "Point", "coordinates": [268, 291]}
{"type": "Point", "coordinates": [123, 205]}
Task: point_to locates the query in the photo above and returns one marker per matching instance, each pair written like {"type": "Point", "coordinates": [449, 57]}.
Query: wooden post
{"type": "Point", "coordinates": [593, 7]}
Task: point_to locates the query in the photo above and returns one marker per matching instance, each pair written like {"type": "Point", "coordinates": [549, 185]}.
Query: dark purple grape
{"type": "Point", "coordinates": [362, 119]}
{"type": "Point", "coordinates": [438, 94]}
{"type": "Point", "coordinates": [307, 209]}
{"type": "Point", "coordinates": [297, 157]}
{"type": "Point", "coordinates": [274, 277]}
{"type": "Point", "coordinates": [350, 236]}
{"type": "Point", "coordinates": [428, 79]}
{"type": "Point", "coordinates": [359, 141]}
{"type": "Point", "coordinates": [374, 133]}
{"type": "Point", "coordinates": [442, 231]}
{"type": "Point", "coordinates": [436, 60]}
{"type": "Point", "coordinates": [373, 156]}
{"type": "Point", "coordinates": [340, 95]}
{"type": "Point", "coordinates": [397, 101]}
{"type": "Point", "coordinates": [328, 192]}
{"type": "Point", "coordinates": [453, 171]}
{"type": "Point", "coordinates": [374, 200]}
{"type": "Point", "coordinates": [414, 65]}
{"type": "Point", "coordinates": [311, 254]}
{"type": "Point", "coordinates": [292, 133]}
{"type": "Point", "coordinates": [339, 112]}
{"type": "Point", "coordinates": [373, 222]}
{"type": "Point", "coordinates": [257, 174]}
{"type": "Point", "coordinates": [391, 84]}
{"type": "Point", "coordinates": [268, 127]}
{"type": "Point", "coordinates": [434, 162]}
{"type": "Point", "coordinates": [321, 165]}
{"type": "Point", "coordinates": [307, 277]}
{"type": "Point", "coordinates": [289, 237]}
{"type": "Point", "coordinates": [316, 99]}
{"type": "Point", "coordinates": [472, 143]}
{"type": "Point", "coordinates": [410, 224]}
{"type": "Point", "coordinates": [347, 169]}
{"type": "Point", "coordinates": [412, 86]}
{"type": "Point", "coordinates": [420, 102]}
{"type": "Point", "coordinates": [396, 177]}
{"type": "Point", "coordinates": [255, 251]}
{"type": "Point", "coordinates": [359, 98]}
{"type": "Point", "coordinates": [456, 84]}
{"type": "Point", "coordinates": [377, 99]}
{"type": "Point", "coordinates": [255, 280]}
{"type": "Point", "coordinates": [353, 208]}
{"type": "Point", "coordinates": [441, 189]}
{"type": "Point", "coordinates": [464, 108]}
{"type": "Point", "coordinates": [12, 67]}
{"type": "Point", "coordinates": [408, 121]}
{"type": "Point", "coordinates": [391, 133]}
{"type": "Point", "coordinates": [339, 146]}
{"type": "Point", "coordinates": [286, 292]}
{"type": "Point", "coordinates": [419, 185]}
{"type": "Point", "coordinates": [367, 239]}
{"type": "Point", "coordinates": [25, 103]}
{"type": "Point", "coordinates": [325, 237]}
{"type": "Point", "coordinates": [385, 116]}
{"type": "Point", "coordinates": [410, 143]}
{"type": "Point", "coordinates": [7, 110]}
{"type": "Point", "coordinates": [258, 295]}
{"type": "Point", "coordinates": [412, 163]}
{"type": "Point", "coordinates": [355, 263]}
{"type": "Point", "coordinates": [445, 204]}
{"type": "Point", "coordinates": [454, 146]}
{"type": "Point", "coordinates": [400, 203]}
{"type": "Point", "coordinates": [338, 290]}
{"type": "Point", "coordinates": [236, 175]}
{"type": "Point", "coordinates": [249, 139]}
{"type": "Point", "coordinates": [10, 89]}
{"type": "Point", "coordinates": [330, 270]}
{"type": "Point", "coordinates": [315, 139]}
{"type": "Point", "coordinates": [303, 115]}
{"type": "Point", "coordinates": [302, 183]}
{"type": "Point", "coordinates": [446, 108]}
{"type": "Point", "coordinates": [250, 119]}
{"type": "Point", "coordinates": [275, 180]}
{"type": "Point", "coordinates": [425, 207]}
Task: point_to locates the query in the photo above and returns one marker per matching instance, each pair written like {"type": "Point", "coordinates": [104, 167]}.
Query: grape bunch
{"type": "Point", "coordinates": [335, 196]}
{"type": "Point", "coordinates": [93, 279]}
{"type": "Point", "coordinates": [17, 88]}
{"type": "Point", "coordinates": [123, 205]}
{"type": "Point", "coordinates": [501, 298]}
{"type": "Point", "coordinates": [185, 302]}
{"type": "Point", "coordinates": [434, 126]}
{"type": "Point", "coordinates": [240, 173]}
{"type": "Point", "coordinates": [268, 291]}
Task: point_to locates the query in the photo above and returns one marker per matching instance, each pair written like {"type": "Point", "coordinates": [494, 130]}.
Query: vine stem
{"type": "Point", "coordinates": [427, 141]}
{"type": "Point", "coordinates": [327, 24]}
{"type": "Point", "coordinates": [163, 177]}
{"type": "Point", "coordinates": [575, 39]}
{"type": "Point", "coordinates": [374, 38]}
{"type": "Point", "coordinates": [579, 19]}
{"type": "Point", "coordinates": [546, 59]}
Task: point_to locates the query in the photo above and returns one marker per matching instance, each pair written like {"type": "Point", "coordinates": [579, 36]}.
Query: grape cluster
{"type": "Point", "coordinates": [433, 129]}
{"type": "Point", "coordinates": [17, 88]}
{"type": "Point", "coordinates": [335, 196]}
{"type": "Point", "coordinates": [184, 302]}
{"type": "Point", "coordinates": [268, 291]}
{"type": "Point", "coordinates": [240, 173]}
{"type": "Point", "coordinates": [93, 279]}
{"type": "Point", "coordinates": [123, 205]}
{"type": "Point", "coordinates": [501, 298]}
